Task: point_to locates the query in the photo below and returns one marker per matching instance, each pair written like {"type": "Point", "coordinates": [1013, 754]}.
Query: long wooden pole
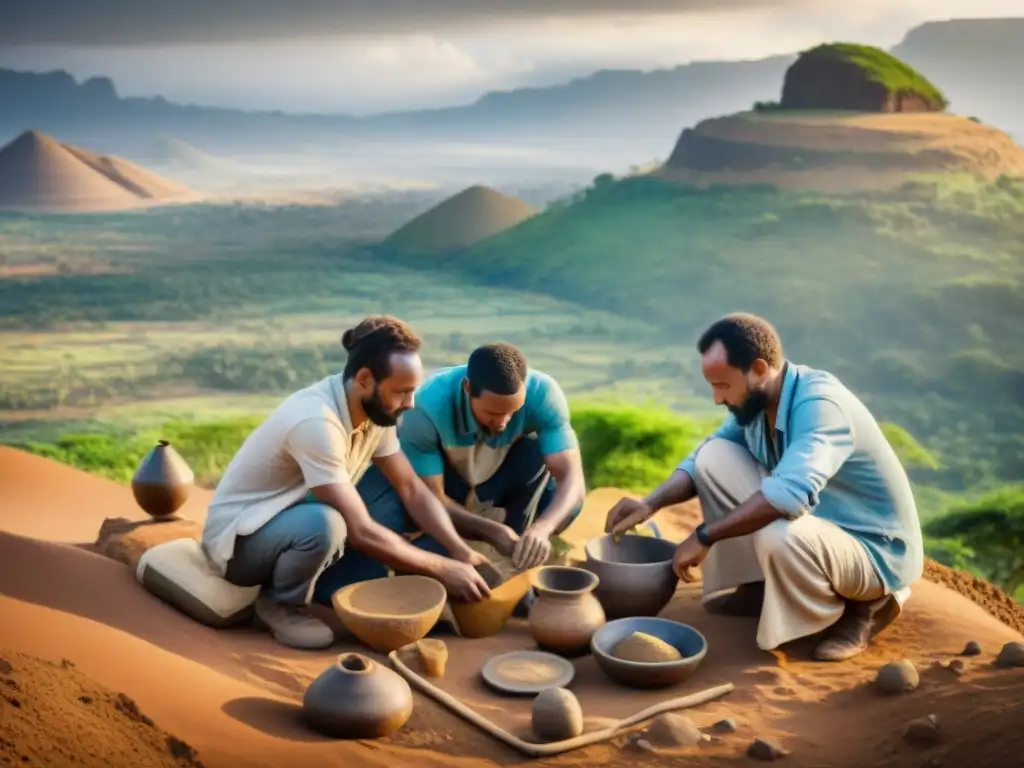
{"type": "Point", "coordinates": [555, 747]}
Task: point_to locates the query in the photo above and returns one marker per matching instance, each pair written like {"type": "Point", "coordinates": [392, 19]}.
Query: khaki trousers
{"type": "Point", "coordinates": [808, 564]}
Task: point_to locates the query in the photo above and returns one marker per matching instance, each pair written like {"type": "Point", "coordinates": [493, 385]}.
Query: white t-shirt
{"type": "Point", "coordinates": [307, 441]}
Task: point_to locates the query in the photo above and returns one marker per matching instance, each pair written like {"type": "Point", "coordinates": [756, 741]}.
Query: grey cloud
{"type": "Point", "coordinates": [156, 22]}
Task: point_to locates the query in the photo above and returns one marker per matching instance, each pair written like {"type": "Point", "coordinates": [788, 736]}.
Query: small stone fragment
{"type": "Point", "coordinates": [557, 715]}
{"type": "Point", "coordinates": [762, 749]}
{"type": "Point", "coordinates": [923, 730]}
{"type": "Point", "coordinates": [973, 648]}
{"type": "Point", "coordinates": [641, 743]}
{"type": "Point", "coordinates": [673, 730]}
{"type": "Point", "coordinates": [957, 667]}
{"type": "Point", "coordinates": [898, 677]}
{"type": "Point", "coordinates": [727, 725]}
{"type": "Point", "coordinates": [85, 699]}
{"type": "Point", "coordinates": [1011, 655]}
{"type": "Point", "coordinates": [5, 667]}
{"type": "Point", "coordinates": [641, 646]}
{"type": "Point", "coordinates": [434, 655]}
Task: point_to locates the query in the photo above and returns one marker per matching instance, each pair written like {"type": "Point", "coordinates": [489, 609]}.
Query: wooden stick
{"type": "Point", "coordinates": [555, 747]}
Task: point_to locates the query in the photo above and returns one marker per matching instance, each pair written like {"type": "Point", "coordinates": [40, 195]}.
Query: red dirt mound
{"type": "Point", "coordinates": [52, 714]}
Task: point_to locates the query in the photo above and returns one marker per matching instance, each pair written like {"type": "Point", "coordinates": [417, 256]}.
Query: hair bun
{"type": "Point", "coordinates": [348, 340]}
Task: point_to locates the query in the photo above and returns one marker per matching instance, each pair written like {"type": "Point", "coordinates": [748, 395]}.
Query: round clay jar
{"type": "Point", "coordinates": [357, 698]}
{"type": "Point", "coordinates": [566, 613]}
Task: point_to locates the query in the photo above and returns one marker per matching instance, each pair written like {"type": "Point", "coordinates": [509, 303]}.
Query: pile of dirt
{"type": "Point", "coordinates": [38, 172]}
{"type": "Point", "coordinates": [460, 221]}
{"type": "Point", "coordinates": [839, 152]}
{"type": "Point", "coordinates": [52, 714]}
{"type": "Point", "coordinates": [857, 77]}
{"type": "Point", "coordinates": [978, 591]}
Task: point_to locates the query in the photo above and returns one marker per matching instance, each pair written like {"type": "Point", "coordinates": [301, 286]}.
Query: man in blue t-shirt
{"type": "Point", "coordinates": [492, 439]}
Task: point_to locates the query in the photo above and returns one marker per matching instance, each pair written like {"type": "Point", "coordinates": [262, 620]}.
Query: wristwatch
{"type": "Point", "coordinates": [702, 535]}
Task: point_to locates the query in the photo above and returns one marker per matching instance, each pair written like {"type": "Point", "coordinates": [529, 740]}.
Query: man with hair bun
{"type": "Point", "coordinates": [809, 518]}
{"type": "Point", "coordinates": [289, 507]}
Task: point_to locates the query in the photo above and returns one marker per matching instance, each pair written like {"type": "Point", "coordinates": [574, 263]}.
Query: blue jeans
{"type": "Point", "coordinates": [510, 488]}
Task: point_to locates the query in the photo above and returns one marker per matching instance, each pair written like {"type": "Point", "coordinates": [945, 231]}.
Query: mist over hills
{"type": "Point", "coordinates": [621, 113]}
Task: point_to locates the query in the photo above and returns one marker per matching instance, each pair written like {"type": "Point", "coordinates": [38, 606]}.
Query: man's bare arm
{"type": "Point", "coordinates": [423, 505]}
{"type": "Point", "coordinates": [678, 488]}
{"type": "Point", "coordinates": [469, 525]}
{"type": "Point", "coordinates": [566, 468]}
{"type": "Point", "coordinates": [373, 539]}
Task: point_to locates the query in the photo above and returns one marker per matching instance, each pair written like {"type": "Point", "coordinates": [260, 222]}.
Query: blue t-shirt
{"type": "Point", "coordinates": [441, 424]}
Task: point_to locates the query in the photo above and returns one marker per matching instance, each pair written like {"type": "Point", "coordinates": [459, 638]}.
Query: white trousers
{"type": "Point", "coordinates": [808, 564]}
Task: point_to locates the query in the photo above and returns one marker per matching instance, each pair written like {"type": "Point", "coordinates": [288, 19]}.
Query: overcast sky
{"type": "Point", "coordinates": [363, 56]}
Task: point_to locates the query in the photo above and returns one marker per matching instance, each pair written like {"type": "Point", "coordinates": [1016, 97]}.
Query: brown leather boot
{"type": "Point", "coordinates": [746, 600]}
{"type": "Point", "coordinates": [860, 622]}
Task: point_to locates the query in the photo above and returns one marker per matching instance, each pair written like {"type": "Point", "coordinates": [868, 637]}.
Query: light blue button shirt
{"type": "Point", "coordinates": [837, 464]}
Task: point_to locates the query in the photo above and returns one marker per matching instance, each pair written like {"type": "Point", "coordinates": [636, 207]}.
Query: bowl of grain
{"type": "Point", "coordinates": [648, 651]}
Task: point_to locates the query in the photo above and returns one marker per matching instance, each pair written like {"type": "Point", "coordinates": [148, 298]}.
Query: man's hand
{"type": "Point", "coordinates": [475, 558]}
{"type": "Point", "coordinates": [626, 515]}
{"type": "Point", "coordinates": [463, 582]}
{"type": "Point", "coordinates": [504, 539]}
{"type": "Point", "coordinates": [532, 549]}
{"type": "Point", "coordinates": [689, 554]}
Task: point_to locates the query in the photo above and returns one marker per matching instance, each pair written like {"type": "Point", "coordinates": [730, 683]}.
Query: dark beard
{"type": "Point", "coordinates": [751, 408]}
{"type": "Point", "coordinates": [374, 410]}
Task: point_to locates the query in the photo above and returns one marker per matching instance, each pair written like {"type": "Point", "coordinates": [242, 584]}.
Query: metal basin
{"type": "Point", "coordinates": [690, 643]}
{"type": "Point", "coordinates": [636, 576]}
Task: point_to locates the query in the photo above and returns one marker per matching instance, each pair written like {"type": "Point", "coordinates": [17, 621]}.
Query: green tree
{"type": "Point", "coordinates": [992, 528]}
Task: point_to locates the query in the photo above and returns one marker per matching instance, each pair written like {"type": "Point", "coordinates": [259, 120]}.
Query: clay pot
{"type": "Point", "coordinates": [163, 481]}
{"type": "Point", "coordinates": [636, 574]}
{"type": "Point", "coordinates": [357, 698]}
{"type": "Point", "coordinates": [488, 617]}
{"type": "Point", "coordinates": [565, 614]}
{"type": "Point", "coordinates": [390, 612]}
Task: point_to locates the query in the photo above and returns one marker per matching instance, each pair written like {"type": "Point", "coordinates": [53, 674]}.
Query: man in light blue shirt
{"type": "Point", "coordinates": [809, 517]}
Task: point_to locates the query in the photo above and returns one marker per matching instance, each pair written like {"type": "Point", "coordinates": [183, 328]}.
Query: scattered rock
{"type": "Point", "coordinates": [639, 742]}
{"type": "Point", "coordinates": [674, 730]}
{"type": "Point", "coordinates": [5, 667]}
{"type": "Point", "coordinates": [973, 648]}
{"type": "Point", "coordinates": [957, 667]}
{"type": "Point", "coordinates": [727, 725]}
{"type": "Point", "coordinates": [1011, 655]}
{"type": "Point", "coordinates": [762, 749]}
{"type": "Point", "coordinates": [557, 715]}
{"type": "Point", "coordinates": [128, 540]}
{"type": "Point", "coordinates": [85, 699]}
{"type": "Point", "coordinates": [180, 750]}
{"type": "Point", "coordinates": [898, 677]}
{"type": "Point", "coordinates": [923, 731]}
{"type": "Point", "coordinates": [14, 701]}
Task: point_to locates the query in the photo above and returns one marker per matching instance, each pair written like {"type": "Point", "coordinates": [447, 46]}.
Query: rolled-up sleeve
{"type": "Point", "coordinates": [320, 448]}
{"type": "Point", "coordinates": [727, 430]}
{"type": "Point", "coordinates": [421, 443]}
{"type": "Point", "coordinates": [820, 441]}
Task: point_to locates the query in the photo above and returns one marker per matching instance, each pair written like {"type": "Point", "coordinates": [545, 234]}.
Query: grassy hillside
{"type": "Point", "coordinates": [881, 67]}
{"type": "Point", "coordinates": [914, 297]}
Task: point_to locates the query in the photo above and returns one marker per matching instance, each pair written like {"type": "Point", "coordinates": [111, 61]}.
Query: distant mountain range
{"type": "Point", "coordinates": [974, 61]}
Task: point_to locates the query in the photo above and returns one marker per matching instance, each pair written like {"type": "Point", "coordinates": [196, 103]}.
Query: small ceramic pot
{"type": "Point", "coordinates": [566, 613]}
{"type": "Point", "coordinates": [357, 698]}
{"type": "Point", "coordinates": [163, 481]}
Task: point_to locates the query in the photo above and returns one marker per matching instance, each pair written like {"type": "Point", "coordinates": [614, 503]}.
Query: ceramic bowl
{"type": "Point", "coordinates": [690, 643]}
{"type": "Point", "coordinates": [391, 612]}
{"type": "Point", "coordinates": [488, 617]}
{"type": "Point", "coordinates": [636, 576]}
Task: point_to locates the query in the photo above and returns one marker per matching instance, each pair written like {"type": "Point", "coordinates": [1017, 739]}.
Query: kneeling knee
{"type": "Point", "coordinates": [777, 539]}
{"type": "Point", "coordinates": [323, 527]}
